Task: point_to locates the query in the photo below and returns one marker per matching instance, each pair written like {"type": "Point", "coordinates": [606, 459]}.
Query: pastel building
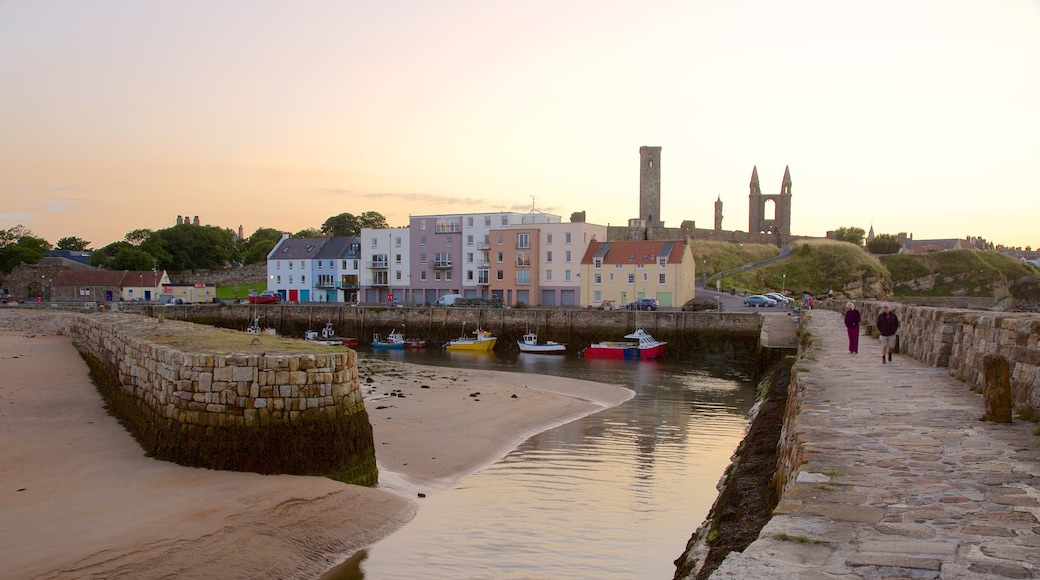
{"type": "Point", "coordinates": [314, 269]}
{"type": "Point", "coordinates": [385, 258]}
{"type": "Point", "coordinates": [624, 271]}
{"type": "Point", "coordinates": [539, 264]}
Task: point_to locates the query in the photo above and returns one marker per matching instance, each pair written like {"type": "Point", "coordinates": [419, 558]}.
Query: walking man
{"type": "Point", "coordinates": [887, 325]}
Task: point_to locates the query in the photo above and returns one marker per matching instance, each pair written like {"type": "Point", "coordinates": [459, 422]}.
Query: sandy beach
{"type": "Point", "coordinates": [80, 498]}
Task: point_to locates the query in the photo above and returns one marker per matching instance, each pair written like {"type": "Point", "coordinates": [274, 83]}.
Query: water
{"type": "Point", "coordinates": [613, 495]}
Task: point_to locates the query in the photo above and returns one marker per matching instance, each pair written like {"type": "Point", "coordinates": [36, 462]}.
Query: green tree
{"type": "Point", "coordinates": [131, 258]}
{"type": "Point", "coordinates": [136, 237]}
{"type": "Point", "coordinates": [852, 235]}
{"type": "Point", "coordinates": [72, 243]}
{"type": "Point", "coordinates": [347, 224]}
{"type": "Point", "coordinates": [192, 247]}
{"type": "Point", "coordinates": [884, 244]}
{"type": "Point", "coordinates": [308, 233]}
{"type": "Point", "coordinates": [18, 245]}
{"type": "Point", "coordinates": [256, 247]}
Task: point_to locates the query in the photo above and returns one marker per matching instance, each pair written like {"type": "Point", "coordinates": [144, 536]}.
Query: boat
{"type": "Point", "coordinates": [396, 340]}
{"type": "Point", "coordinates": [640, 346]}
{"type": "Point", "coordinates": [483, 341]}
{"type": "Point", "coordinates": [530, 344]}
{"type": "Point", "coordinates": [328, 338]}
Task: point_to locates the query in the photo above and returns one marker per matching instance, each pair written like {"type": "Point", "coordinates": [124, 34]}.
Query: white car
{"type": "Point", "coordinates": [780, 298]}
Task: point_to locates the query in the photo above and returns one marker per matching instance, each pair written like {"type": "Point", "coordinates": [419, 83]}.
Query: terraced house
{"type": "Point", "coordinates": [625, 271]}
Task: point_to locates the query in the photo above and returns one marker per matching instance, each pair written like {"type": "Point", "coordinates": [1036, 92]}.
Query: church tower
{"type": "Point", "coordinates": [650, 186]}
{"type": "Point", "coordinates": [718, 214]}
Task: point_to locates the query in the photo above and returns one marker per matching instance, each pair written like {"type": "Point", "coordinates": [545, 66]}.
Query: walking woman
{"type": "Point", "coordinates": [852, 325]}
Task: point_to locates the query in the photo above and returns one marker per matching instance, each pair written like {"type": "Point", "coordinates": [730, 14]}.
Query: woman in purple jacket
{"type": "Point", "coordinates": [852, 325]}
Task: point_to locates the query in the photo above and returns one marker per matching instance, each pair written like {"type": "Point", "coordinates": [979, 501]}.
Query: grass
{"type": "Point", "coordinates": [814, 266]}
{"type": "Point", "coordinates": [960, 273]}
{"type": "Point", "coordinates": [228, 292]}
{"type": "Point", "coordinates": [800, 538]}
{"type": "Point", "coordinates": [714, 257]}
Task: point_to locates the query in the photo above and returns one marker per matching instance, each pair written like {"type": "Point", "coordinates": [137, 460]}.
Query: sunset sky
{"type": "Point", "coordinates": [908, 116]}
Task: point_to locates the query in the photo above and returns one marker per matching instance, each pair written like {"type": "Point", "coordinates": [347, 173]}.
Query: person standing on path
{"type": "Point", "coordinates": [887, 325]}
{"type": "Point", "coordinates": [852, 325]}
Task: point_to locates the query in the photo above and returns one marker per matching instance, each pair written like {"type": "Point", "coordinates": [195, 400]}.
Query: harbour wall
{"type": "Point", "coordinates": [241, 412]}
{"type": "Point", "coordinates": [688, 333]}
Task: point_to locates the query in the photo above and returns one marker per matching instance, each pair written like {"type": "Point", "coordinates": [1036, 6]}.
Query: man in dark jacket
{"type": "Point", "coordinates": [887, 325]}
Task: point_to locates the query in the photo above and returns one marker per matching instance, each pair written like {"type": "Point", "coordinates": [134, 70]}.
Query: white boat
{"type": "Point", "coordinates": [483, 341]}
{"type": "Point", "coordinates": [394, 340]}
{"type": "Point", "coordinates": [639, 346]}
{"type": "Point", "coordinates": [530, 344]}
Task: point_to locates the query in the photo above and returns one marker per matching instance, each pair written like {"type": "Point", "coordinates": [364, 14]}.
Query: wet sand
{"type": "Point", "coordinates": [80, 499]}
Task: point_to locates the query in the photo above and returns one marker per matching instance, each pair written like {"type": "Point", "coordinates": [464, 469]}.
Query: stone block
{"type": "Point", "coordinates": [997, 390]}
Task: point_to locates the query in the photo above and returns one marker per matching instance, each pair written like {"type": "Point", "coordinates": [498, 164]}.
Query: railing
{"type": "Point", "coordinates": [442, 264]}
{"type": "Point", "coordinates": [447, 228]}
{"type": "Point", "coordinates": [379, 264]}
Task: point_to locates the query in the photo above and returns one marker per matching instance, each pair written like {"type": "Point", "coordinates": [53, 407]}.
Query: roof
{"type": "Point", "coordinates": [336, 247]}
{"type": "Point", "coordinates": [90, 278]}
{"type": "Point", "coordinates": [635, 252]}
{"type": "Point", "coordinates": [298, 248]}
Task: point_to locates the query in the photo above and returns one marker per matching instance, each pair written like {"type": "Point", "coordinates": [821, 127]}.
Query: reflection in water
{"type": "Point", "coordinates": [613, 495]}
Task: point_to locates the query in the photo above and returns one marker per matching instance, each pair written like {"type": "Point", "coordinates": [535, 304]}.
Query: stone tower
{"type": "Point", "coordinates": [650, 186]}
{"type": "Point", "coordinates": [718, 214]}
{"type": "Point", "coordinates": [780, 224]}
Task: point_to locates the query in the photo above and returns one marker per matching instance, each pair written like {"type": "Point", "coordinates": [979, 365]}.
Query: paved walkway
{"type": "Point", "coordinates": [901, 479]}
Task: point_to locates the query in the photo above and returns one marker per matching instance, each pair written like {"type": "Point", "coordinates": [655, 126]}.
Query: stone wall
{"type": "Point", "coordinates": [298, 413]}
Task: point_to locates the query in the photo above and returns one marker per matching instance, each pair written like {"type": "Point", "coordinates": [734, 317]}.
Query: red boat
{"type": "Point", "coordinates": [641, 346]}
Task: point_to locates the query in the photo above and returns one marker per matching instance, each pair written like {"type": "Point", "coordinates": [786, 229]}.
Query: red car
{"type": "Point", "coordinates": [266, 297]}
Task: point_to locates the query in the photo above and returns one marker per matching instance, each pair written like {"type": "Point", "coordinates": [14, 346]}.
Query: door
{"type": "Point", "coordinates": [294, 295]}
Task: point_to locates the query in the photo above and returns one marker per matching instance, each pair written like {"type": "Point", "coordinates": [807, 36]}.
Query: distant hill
{"type": "Point", "coordinates": [963, 273]}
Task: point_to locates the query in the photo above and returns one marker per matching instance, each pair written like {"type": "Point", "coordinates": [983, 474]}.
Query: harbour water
{"type": "Point", "coordinates": [613, 495]}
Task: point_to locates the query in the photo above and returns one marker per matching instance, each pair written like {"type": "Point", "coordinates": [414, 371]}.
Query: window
{"type": "Point", "coordinates": [397, 242]}
{"type": "Point", "coordinates": [505, 220]}
{"type": "Point", "coordinates": [617, 266]}
{"type": "Point", "coordinates": [290, 265]}
{"type": "Point", "coordinates": [279, 279]}
{"type": "Point", "coordinates": [499, 275]}
{"type": "Point", "coordinates": [610, 276]}
{"type": "Point", "coordinates": [660, 278]}
{"type": "Point", "coordinates": [447, 274]}
{"type": "Point", "coordinates": [469, 275]}
{"type": "Point", "coordinates": [397, 259]}
{"type": "Point", "coordinates": [469, 221]}
{"type": "Point", "coordinates": [422, 224]}
{"type": "Point", "coordinates": [469, 257]}
{"type": "Point", "coordinates": [422, 275]}
{"type": "Point", "coordinates": [548, 256]}
{"type": "Point", "coordinates": [422, 258]}
{"type": "Point", "coordinates": [447, 241]}
{"type": "Point", "coordinates": [422, 241]}
{"type": "Point", "coordinates": [548, 275]}
{"type": "Point", "coordinates": [498, 239]}
{"type": "Point", "coordinates": [500, 257]}
{"type": "Point", "coordinates": [597, 263]}
{"type": "Point", "coordinates": [548, 238]}
{"type": "Point", "coordinates": [343, 265]}
{"type": "Point", "coordinates": [567, 275]}
{"type": "Point", "coordinates": [487, 221]}
{"type": "Point", "coordinates": [303, 279]}
{"type": "Point", "coordinates": [631, 278]}
{"type": "Point", "coordinates": [319, 264]}
{"type": "Point", "coordinates": [469, 237]}
{"type": "Point", "coordinates": [567, 256]}
{"type": "Point", "coordinates": [302, 264]}
{"type": "Point", "coordinates": [397, 275]}
{"type": "Point", "coordinates": [523, 259]}
{"type": "Point", "coordinates": [375, 242]}
{"type": "Point", "coordinates": [277, 265]}
{"type": "Point", "coordinates": [640, 266]}
{"type": "Point", "coordinates": [567, 237]}
{"type": "Point", "coordinates": [290, 278]}
{"type": "Point", "coordinates": [436, 274]}
{"type": "Point", "coordinates": [644, 277]}
{"type": "Point", "coordinates": [523, 277]}
{"type": "Point", "coordinates": [662, 262]}
{"type": "Point", "coordinates": [597, 296]}
{"type": "Point", "coordinates": [597, 278]}
{"type": "Point", "coordinates": [523, 240]}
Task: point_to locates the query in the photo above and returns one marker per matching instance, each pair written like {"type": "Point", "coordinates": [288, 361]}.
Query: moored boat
{"type": "Point", "coordinates": [640, 346]}
{"type": "Point", "coordinates": [328, 337]}
{"type": "Point", "coordinates": [394, 340]}
{"type": "Point", "coordinates": [530, 344]}
{"type": "Point", "coordinates": [483, 341]}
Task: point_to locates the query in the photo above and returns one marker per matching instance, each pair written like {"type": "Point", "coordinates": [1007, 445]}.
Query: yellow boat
{"type": "Point", "coordinates": [484, 341]}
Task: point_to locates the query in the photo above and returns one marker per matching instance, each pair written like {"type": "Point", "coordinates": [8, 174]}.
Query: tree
{"type": "Point", "coordinates": [884, 244]}
{"type": "Point", "coordinates": [256, 247]}
{"type": "Point", "coordinates": [135, 237]}
{"type": "Point", "coordinates": [72, 243]}
{"type": "Point", "coordinates": [347, 224]}
{"type": "Point", "coordinates": [18, 245]}
{"type": "Point", "coordinates": [308, 233]}
{"type": "Point", "coordinates": [192, 247]}
{"type": "Point", "coordinates": [852, 235]}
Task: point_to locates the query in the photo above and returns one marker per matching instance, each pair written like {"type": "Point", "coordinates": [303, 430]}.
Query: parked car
{"type": "Point", "coordinates": [780, 298]}
{"type": "Point", "coordinates": [643, 304]}
{"type": "Point", "coordinates": [608, 305]}
{"type": "Point", "coordinates": [449, 299]}
{"type": "Point", "coordinates": [266, 297]}
{"type": "Point", "coordinates": [759, 300]}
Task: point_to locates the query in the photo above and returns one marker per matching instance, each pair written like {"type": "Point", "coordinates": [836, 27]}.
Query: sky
{"type": "Point", "coordinates": [917, 116]}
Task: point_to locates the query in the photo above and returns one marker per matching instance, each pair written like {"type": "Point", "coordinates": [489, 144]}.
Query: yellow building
{"type": "Point", "coordinates": [625, 271]}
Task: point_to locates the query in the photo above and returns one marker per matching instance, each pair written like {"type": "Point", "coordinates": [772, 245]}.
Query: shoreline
{"type": "Point", "coordinates": [86, 501]}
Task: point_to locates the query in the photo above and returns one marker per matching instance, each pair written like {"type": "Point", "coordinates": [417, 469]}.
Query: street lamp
{"type": "Point", "coordinates": [783, 289]}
